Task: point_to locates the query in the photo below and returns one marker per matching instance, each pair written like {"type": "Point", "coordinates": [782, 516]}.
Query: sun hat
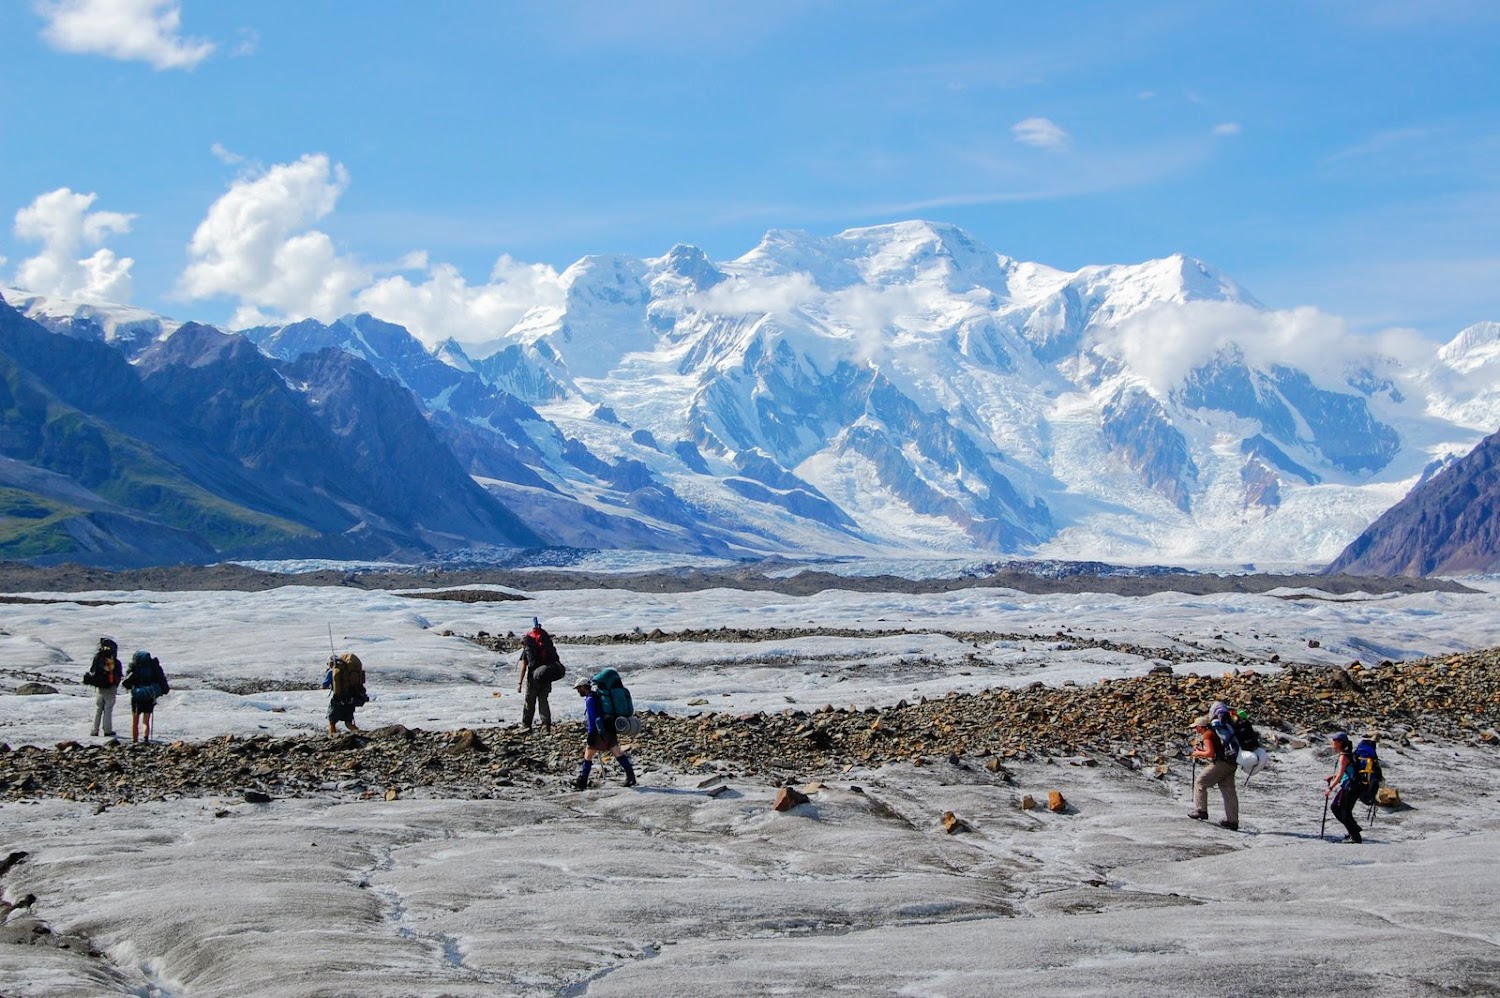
{"type": "Point", "coordinates": [582, 684]}
{"type": "Point", "coordinates": [1201, 722]}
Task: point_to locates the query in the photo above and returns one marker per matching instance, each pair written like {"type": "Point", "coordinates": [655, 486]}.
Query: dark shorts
{"type": "Point", "coordinates": [603, 740]}
{"type": "Point", "coordinates": [142, 704]}
{"type": "Point", "coordinates": [340, 709]}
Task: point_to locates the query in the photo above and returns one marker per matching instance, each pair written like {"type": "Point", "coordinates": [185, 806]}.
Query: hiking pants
{"type": "Point", "coordinates": [104, 710]}
{"type": "Point", "coordinates": [1344, 802]}
{"type": "Point", "coordinates": [536, 703]}
{"type": "Point", "coordinates": [1219, 773]}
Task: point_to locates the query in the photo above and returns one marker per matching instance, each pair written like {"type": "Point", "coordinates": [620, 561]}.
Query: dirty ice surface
{"type": "Point", "coordinates": [667, 889]}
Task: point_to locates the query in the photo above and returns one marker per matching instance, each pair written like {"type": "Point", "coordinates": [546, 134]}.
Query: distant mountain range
{"type": "Point", "coordinates": [892, 389]}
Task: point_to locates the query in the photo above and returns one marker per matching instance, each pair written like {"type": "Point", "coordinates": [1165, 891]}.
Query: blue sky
{"type": "Point", "coordinates": [444, 160]}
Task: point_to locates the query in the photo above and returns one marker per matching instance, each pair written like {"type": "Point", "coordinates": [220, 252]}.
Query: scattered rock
{"type": "Point", "coordinates": [788, 798]}
{"type": "Point", "coordinates": [257, 797]}
{"type": "Point", "coordinates": [34, 689]}
{"type": "Point", "coordinates": [392, 793]}
{"type": "Point", "coordinates": [1388, 797]}
{"type": "Point", "coordinates": [953, 824]}
{"type": "Point", "coordinates": [1028, 803]}
{"type": "Point", "coordinates": [1055, 802]}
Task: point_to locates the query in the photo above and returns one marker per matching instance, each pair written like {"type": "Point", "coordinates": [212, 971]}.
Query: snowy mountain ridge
{"type": "Point", "coordinates": [905, 388]}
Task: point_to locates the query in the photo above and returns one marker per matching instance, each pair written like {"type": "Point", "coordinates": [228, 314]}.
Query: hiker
{"type": "Point", "coordinates": [146, 681]}
{"type": "Point", "coordinates": [345, 679]}
{"type": "Point", "coordinates": [1219, 772]}
{"type": "Point", "coordinates": [104, 676]}
{"type": "Point", "coordinates": [1343, 787]}
{"type": "Point", "coordinates": [540, 668]}
{"type": "Point", "coordinates": [600, 736]}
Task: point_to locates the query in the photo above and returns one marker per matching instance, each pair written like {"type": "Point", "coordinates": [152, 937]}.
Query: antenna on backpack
{"type": "Point", "coordinates": [332, 652]}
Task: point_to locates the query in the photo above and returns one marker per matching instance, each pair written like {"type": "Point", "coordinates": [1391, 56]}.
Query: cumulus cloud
{"type": "Point", "coordinates": [1040, 132]}
{"type": "Point", "coordinates": [61, 221]}
{"type": "Point", "coordinates": [757, 295]}
{"type": "Point", "coordinates": [133, 30]}
{"type": "Point", "coordinates": [255, 244]}
{"type": "Point", "coordinates": [258, 245]}
{"type": "Point", "coordinates": [1166, 341]}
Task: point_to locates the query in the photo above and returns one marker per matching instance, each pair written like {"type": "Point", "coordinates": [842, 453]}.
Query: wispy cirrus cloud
{"type": "Point", "coordinates": [131, 30]}
{"type": "Point", "coordinates": [1043, 133]}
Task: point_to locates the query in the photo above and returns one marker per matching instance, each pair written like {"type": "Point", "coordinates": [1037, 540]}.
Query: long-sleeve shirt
{"type": "Point", "coordinates": [593, 712]}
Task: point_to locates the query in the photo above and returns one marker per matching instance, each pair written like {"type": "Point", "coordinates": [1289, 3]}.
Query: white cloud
{"type": "Point", "coordinates": [143, 30]}
{"type": "Point", "coordinates": [224, 155]}
{"type": "Point", "coordinates": [445, 305]}
{"type": "Point", "coordinates": [1039, 132]}
{"type": "Point", "coordinates": [757, 295]}
{"type": "Point", "coordinates": [257, 244]}
{"type": "Point", "coordinates": [1166, 341]}
{"type": "Point", "coordinates": [61, 221]}
{"type": "Point", "coordinates": [1227, 128]}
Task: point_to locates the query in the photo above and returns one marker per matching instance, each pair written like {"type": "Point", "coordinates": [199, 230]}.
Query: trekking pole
{"type": "Point", "coordinates": [332, 652]}
{"type": "Point", "coordinates": [1324, 827]}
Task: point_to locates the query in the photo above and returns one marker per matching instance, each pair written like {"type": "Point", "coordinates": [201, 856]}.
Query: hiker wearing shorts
{"type": "Point", "coordinates": [1341, 787]}
{"type": "Point", "coordinates": [599, 737]}
{"type": "Point", "coordinates": [1218, 773]}
{"type": "Point", "coordinates": [104, 676]}
{"type": "Point", "coordinates": [146, 681]}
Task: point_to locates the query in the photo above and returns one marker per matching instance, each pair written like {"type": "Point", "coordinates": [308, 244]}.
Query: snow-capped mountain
{"type": "Point", "coordinates": [905, 387]}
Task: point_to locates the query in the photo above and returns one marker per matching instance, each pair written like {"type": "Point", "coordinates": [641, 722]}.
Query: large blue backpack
{"type": "Point", "coordinates": [1365, 776]}
{"type": "Point", "coordinates": [1229, 743]}
{"type": "Point", "coordinates": [614, 698]}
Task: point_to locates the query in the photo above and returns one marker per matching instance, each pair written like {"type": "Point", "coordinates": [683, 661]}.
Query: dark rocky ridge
{"type": "Point", "coordinates": [16, 577]}
{"type": "Point", "coordinates": [1446, 525]}
{"type": "Point", "coordinates": [1136, 723]}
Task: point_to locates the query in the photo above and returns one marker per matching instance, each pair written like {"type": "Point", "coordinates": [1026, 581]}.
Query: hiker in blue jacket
{"type": "Point", "coordinates": [600, 736]}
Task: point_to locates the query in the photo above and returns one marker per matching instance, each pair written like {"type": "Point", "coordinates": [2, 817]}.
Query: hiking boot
{"type": "Point", "coordinates": [1233, 826]}
{"type": "Point", "coordinates": [1353, 838]}
{"type": "Point", "coordinates": [581, 783]}
{"type": "Point", "coordinates": [1198, 815]}
{"type": "Point", "coordinates": [630, 779]}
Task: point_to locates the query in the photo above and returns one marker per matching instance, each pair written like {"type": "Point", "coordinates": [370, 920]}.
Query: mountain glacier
{"type": "Point", "coordinates": [905, 388]}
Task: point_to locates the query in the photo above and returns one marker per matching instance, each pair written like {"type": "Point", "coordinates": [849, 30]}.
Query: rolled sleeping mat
{"type": "Point", "coordinates": [1253, 762]}
{"type": "Point", "coordinates": [628, 725]}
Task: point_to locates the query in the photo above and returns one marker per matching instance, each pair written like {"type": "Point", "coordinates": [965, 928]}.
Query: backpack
{"type": "Point", "coordinates": [163, 687]}
{"type": "Point", "coordinates": [1229, 745]}
{"type": "Point", "coordinates": [1365, 775]}
{"type": "Point", "coordinates": [614, 700]}
{"type": "Point", "coordinates": [1245, 732]}
{"type": "Point", "coordinates": [542, 661]}
{"type": "Point", "coordinates": [348, 676]}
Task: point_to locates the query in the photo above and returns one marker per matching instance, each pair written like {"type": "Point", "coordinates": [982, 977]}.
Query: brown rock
{"type": "Point", "coordinates": [1028, 803]}
{"type": "Point", "coordinates": [788, 798]}
{"type": "Point", "coordinates": [1055, 802]}
{"type": "Point", "coordinates": [1388, 797]}
{"type": "Point", "coordinates": [392, 793]}
{"type": "Point", "coordinates": [467, 741]}
{"type": "Point", "coordinates": [953, 824]}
